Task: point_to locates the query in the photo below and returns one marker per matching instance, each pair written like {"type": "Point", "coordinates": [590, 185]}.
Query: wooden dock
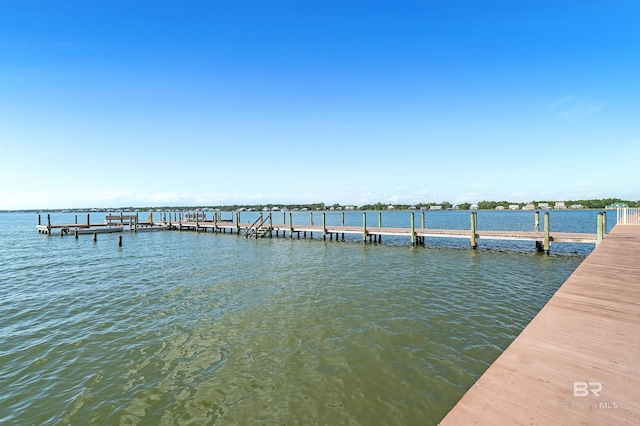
{"type": "Point", "coordinates": [264, 226]}
{"type": "Point", "coordinates": [578, 361]}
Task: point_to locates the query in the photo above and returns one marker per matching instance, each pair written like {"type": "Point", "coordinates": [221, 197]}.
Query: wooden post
{"type": "Point", "coordinates": [197, 222]}
{"type": "Point", "coordinates": [422, 214]}
{"type": "Point", "coordinates": [537, 222]}
{"type": "Point", "coordinates": [291, 225]}
{"type": "Point", "coordinates": [547, 232]}
{"type": "Point", "coordinates": [95, 237]}
{"type": "Point", "coordinates": [76, 234]}
{"type": "Point", "coordinates": [604, 223]}
{"type": "Point", "coordinates": [342, 219]}
{"type": "Point", "coordinates": [119, 240]}
{"type": "Point", "coordinates": [324, 225]}
{"type": "Point", "coordinates": [284, 218]}
{"type": "Point", "coordinates": [474, 227]}
{"type": "Point", "coordinates": [39, 223]}
{"type": "Point", "coordinates": [311, 218]}
{"type": "Point", "coordinates": [261, 224]}
{"type": "Point", "coordinates": [88, 220]}
{"type": "Point", "coordinates": [48, 224]}
{"type": "Point", "coordinates": [270, 226]}
{"type": "Point", "coordinates": [413, 229]}
{"type": "Point", "coordinates": [379, 219]}
{"type": "Point", "coordinates": [76, 219]}
{"type": "Point", "coordinates": [237, 222]}
{"type": "Point", "coordinates": [364, 226]}
{"type": "Point", "coordinates": [600, 229]}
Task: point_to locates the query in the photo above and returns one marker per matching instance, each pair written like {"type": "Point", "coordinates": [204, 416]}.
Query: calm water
{"type": "Point", "coordinates": [195, 328]}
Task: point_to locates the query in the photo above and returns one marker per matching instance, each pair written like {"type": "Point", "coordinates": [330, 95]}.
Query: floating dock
{"type": "Point", "coordinates": [578, 361]}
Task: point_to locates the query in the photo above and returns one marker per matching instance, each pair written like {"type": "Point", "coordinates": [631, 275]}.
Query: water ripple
{"type": "Point", "coordinates": [185, 328]}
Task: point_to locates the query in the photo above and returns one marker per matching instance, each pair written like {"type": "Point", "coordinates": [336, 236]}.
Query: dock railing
{"type": "Point", "coordinates": [628, 216]}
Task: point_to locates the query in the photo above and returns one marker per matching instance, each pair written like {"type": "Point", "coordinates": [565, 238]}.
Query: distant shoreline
{"type": "Point", "coordinates": [595, 204]}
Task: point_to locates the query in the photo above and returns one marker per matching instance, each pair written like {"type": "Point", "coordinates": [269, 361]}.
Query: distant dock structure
{"type": "Point", "coordinates": [265, 226]}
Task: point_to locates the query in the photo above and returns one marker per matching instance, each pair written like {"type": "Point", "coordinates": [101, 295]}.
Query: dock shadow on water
{"type": "Point", "coordinates": [186, 328]}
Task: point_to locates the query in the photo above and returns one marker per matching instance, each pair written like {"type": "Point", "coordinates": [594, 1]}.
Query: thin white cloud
{"type": "Point", "coordinates": [571, 109]}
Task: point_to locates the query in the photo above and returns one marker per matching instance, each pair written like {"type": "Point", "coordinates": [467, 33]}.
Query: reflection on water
{"type": "Point", "coordinates": [186, 328]}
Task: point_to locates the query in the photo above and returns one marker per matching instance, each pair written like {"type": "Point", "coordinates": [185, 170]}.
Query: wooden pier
{"type": "Point", "coordinates": [578, 361]}
{"type": "Point", "coordinates": [264, 227]}
{"type": "Point", "coordinates": [112, 223]}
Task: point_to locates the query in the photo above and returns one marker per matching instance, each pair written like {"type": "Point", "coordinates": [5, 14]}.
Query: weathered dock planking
{"type": "Point", "coordinates": [578, 361]}
{"type": "Point", "coordinates": [264, 226]}
{"type": "Point", "coordinates": [112, 223]}
{"type": "Point", "coordinates": [416, 235]}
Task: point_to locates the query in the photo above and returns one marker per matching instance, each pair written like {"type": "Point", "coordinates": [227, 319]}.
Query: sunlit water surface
{"type": "Point", "coordinates": [202, 328]}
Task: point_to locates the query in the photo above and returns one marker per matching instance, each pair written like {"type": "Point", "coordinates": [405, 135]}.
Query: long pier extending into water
{"type": "Point", "coordinates": [264, 226]}
{"type": "Point", "coordinates": [578, 361]}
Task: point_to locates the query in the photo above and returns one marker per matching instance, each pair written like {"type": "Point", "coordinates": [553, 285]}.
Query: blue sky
{"type": "Point", "coordinates": [118, 103]}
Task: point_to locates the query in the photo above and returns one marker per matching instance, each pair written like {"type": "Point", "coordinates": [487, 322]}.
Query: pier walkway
{"type": "Point", "coordinates": [417, 235]}
{"type": "Point", "coordinates": [264, 226]}
{"type": "Point", "coordinates": [330, 231]}
{"type": "Point", "coordinates": [578, 361]}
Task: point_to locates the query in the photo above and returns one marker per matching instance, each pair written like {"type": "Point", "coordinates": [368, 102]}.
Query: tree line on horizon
{"type": "Point", "coordinates": [491, 205]}
{"type": "Point", "coordinates": [482, 205]}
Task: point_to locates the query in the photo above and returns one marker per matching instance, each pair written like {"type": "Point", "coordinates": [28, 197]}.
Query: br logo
{"type": "Point", "coordinates": [582, 389]}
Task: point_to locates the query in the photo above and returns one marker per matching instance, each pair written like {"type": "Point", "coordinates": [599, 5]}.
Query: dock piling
{"type": "Point", "coordinates": [600, 229]}
{"type": "Point", "coordinates": [547, 232]}
{"type": "Point", "coordinates": [324, 226]}
{"type": "Point", "coordinates": [413, 229]}
{"type": "Point", "coordinates": [364, 226]}
{"type": "Point", "coordinates": [474, 228]}
{"type": "Point", "coordinates": [290, 225]}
